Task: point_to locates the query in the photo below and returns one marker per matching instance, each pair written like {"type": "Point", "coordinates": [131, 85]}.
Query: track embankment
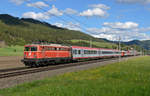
{"type": "Point", "coordinates": [52, 71]}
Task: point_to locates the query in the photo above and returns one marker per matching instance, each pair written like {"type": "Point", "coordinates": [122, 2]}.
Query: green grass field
{"type": "Point", "coordinates": [12, 51]}
{"type": "Point", "coordinates": [128, 78]}
{"type": "Point", "coordinates": [98, 44]}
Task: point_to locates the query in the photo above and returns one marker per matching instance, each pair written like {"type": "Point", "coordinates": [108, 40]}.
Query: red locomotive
{"type": "Point", "coordinates": [38, 55]}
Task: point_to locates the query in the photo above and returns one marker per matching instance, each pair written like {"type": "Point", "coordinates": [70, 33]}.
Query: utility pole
{"type": "Point", "coordinates": [119, 48]}
{"type": "Point", "coordinates": [90, 43]}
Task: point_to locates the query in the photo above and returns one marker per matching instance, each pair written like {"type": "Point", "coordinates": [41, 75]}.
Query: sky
{"type": "Point", "coordinates": [110, 19]}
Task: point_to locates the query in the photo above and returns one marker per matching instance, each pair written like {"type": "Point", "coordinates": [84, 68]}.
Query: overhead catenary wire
{"type": "Point", "coordinates": [46, 11]}
{"type": "Point", "coordinates": [65, 21]}
{"type": "Point", "coordinates": [70, 16]}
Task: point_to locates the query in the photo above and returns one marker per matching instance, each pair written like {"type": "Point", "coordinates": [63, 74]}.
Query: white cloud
{"type": "Point", "coordinates": [119, 25]}
{"type": "Point", "coordinates": [73, 26]}
{"type": "Point", "coordinates": [33, 15]}
{"type": "Point", "coordinates": [54, 12]}
{"type": "Point", "coordinates": [50, 0]}
{"type": "Point", "coordinates": [101, 6]}
{"type": "Point", "coordinates": [70, 11]}
{"type": "Point", "coordinates": [37, 4]}
{"type": "Point", "coordinates": [17, 2]}
{"type": "Point", "coordinates": [69, 25]}
{"type": "Point", "coordinates": [43, 16]}
{"type": "Point", "coordinates": [144, 29]}
{"type": "Point", "coordinates": [107, 36]}
{"type": "Point", "coordinates": [127, 31]}
{"type": "Point", "coordinates": [58, 24]}
{"type": "Point", "coordinates": [97, 31]}
{"type": "Point", "coordinates": [134, 1]}
{"type": "Point", "coordinates": [94, 12]}
{"type": "Point", "coordinates": [97, 10]}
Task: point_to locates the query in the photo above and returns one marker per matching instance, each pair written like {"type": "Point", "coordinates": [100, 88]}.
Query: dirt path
{"type": "Point", "coordinates": [10, 62]}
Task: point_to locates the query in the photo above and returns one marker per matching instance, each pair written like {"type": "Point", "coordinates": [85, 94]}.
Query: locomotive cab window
{"type": "Point", "coordinates": [30, 48]}
{"type": "Point", "coordinates": [27, 49]}
{"type": "Point", "coordinates": [33, 48]}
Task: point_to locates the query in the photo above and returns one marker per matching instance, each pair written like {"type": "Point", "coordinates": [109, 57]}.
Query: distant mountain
{"type": "Point", "coordinates": [105, 40]}
{"type": "Point", "coordinates": [144, 44]}
{"type": "Point", "coordinates": [134, 42]}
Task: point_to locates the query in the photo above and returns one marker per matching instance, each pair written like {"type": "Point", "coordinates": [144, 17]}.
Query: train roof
{"type": "Point", "coordinates": [52, 45]}
{"type": "Point", "coordinates": [88, 48]}
{"type": "Point", "coordinates": [79, 47]}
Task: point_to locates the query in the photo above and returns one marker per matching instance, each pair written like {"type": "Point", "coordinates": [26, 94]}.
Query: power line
{"type": "Point", "coordinates": [70, 16]}
{"type": "Point", "coordinates": [60, 17]}
{"type": "Point", "coordinates": [46, 11]}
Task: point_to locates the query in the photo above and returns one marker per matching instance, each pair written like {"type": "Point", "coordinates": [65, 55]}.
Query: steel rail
{"type": "Point", "coordinates": [41, 69]}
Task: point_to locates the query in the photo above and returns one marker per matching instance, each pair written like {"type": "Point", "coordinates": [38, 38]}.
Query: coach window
{"type": "Point", "coordinates": [92, 52]}
{"type": "Point", "coordinates": [74, 51]}
{"type": "Point", "coordinates": [84, 51]}
{"type": "Point", "coordinates": [99, 52]}
{"type": "Point", "coordinates": [88, 51]}
{"type": "Point", "coordinates": [79, 51]}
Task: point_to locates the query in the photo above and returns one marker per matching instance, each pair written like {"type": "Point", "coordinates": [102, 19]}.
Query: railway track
{"type": "Point", "coordinates": [24, 70]}
{"type": "Point", "coordinates": [12, 69]}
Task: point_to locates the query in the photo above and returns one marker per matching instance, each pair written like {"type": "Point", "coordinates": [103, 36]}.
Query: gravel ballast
{"type": "Point", "coordinates": [13, 81]}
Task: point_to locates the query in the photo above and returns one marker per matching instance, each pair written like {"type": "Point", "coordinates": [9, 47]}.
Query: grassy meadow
{"type": "Point", "coordinates": [127, 78]}
{"type": "Point", "coordinates": [12, 51]}
{"type": "Point", "coordinates": [97, 44]}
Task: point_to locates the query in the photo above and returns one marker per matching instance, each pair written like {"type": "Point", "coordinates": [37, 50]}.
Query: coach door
{"type": "Point", "coordinates": [77, 53]}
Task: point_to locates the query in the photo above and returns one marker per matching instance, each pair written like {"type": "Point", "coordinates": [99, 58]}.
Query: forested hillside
{"type": "Point", "coordinates": [15, 31]}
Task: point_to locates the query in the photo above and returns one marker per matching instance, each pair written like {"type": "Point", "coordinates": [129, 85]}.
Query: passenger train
{"type": "Point", "coordinates": [38, 55]}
